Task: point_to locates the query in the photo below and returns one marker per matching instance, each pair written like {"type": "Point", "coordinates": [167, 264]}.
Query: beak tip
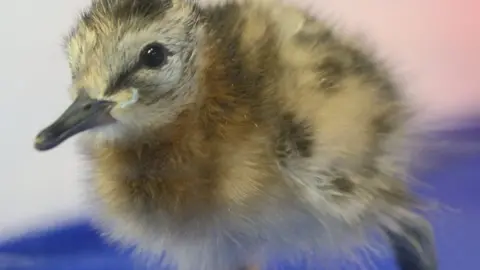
{"type": "Point", "coordinates": [83, 114]}
{"type": "Point", "coordinates": [39, 139]}
{"type": "Point", "coordinates": [39, 143]}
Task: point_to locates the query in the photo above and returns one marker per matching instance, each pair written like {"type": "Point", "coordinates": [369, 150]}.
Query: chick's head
{"type": "Point", "coordinates": [132, 68]}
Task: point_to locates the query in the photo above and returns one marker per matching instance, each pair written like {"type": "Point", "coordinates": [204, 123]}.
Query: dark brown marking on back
{"type": "Point", "coordinates": [294, 139]}
{"type": "Point", "coordinates": [331, 72]}
{"type": "Point", "coordinates": [382, 124]}
{"type": "Point", "coordinates": [343, 184]}
{"type": "Point", "coordinates": [371, 70]}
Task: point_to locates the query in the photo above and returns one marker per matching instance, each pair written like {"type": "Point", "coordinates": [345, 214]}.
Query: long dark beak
{"type": "Point", "coordinates": [83, 114]}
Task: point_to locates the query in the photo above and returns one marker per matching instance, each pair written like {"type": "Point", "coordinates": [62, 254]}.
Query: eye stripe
{"type": "Point", "coordinates": [120, 78]}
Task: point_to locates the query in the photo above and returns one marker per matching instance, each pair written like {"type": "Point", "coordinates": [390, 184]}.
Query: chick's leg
{"type": "Point", "coordinates": [413, 246]}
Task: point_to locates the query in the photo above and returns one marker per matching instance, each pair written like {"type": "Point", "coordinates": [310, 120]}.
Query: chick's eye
{"type": "Point", "coordinates": [153, 55]}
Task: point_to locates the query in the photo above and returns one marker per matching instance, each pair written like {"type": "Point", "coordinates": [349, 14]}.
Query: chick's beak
{"type": "Point", "coordinates": [83, 114]}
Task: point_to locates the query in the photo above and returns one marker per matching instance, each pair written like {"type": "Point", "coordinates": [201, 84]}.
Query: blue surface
{"type": "Point", "coordinates": [453, 176]}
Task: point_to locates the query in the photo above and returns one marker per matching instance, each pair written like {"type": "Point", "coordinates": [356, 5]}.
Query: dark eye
{"type": "Point", "coordinates": [153, 55]}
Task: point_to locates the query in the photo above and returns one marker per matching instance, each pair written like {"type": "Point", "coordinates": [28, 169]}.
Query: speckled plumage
{"type": "Point", "coordinates": [265, 134]}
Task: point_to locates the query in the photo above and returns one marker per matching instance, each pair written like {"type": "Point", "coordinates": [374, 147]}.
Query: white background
{"type": "Point", "coordinates": [436, 43]}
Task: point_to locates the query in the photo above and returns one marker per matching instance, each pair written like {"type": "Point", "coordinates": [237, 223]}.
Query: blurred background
{"type": "Point", "coordinates": [433, 44]}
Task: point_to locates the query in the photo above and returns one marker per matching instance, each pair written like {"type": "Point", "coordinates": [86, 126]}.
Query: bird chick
{"type": "Point", "coordinates": [230, 134]}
